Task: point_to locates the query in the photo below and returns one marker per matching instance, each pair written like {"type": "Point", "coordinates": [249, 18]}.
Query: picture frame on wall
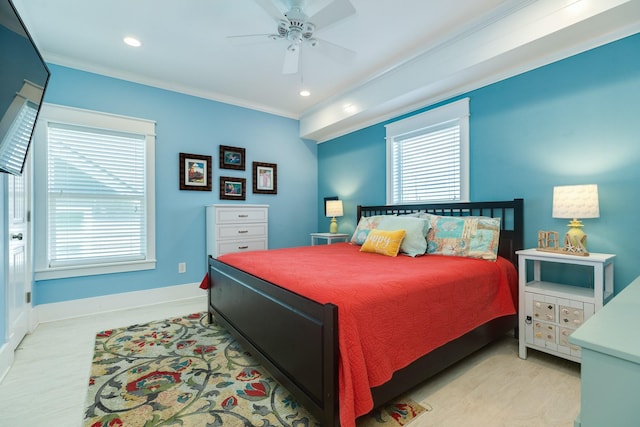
{"type": "Point", "coordinates": [265, 178]}
{"type": "Point", "coordinates": [232, 157]}
{"type": "Point", "coordinates": [232, 188]}
{"type": "Point", "coordinates": [195, 172]}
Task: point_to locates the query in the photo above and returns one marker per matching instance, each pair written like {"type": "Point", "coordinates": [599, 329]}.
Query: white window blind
{"type": "Point", "coordinates": [427, 156]}
{"type": "Point", "coordinates": [96, 193]}
{"type": "Point", "coordinates": [94, 173]}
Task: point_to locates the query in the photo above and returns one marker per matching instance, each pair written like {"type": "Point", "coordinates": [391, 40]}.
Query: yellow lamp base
{"type": "Point", "coordinates": [575, 241]}
{"type": "Point", "coordinates": [333, 228]}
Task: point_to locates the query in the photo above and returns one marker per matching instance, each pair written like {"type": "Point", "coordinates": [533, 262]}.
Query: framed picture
{"type": "Point", "coordinates": [231, 157]}
{"type": "Point", "coordinates": [195, 172]}
{"type": "Point", "coordinates": [265, 178]}
{"type": "Point", "coordinates": [232, 188]}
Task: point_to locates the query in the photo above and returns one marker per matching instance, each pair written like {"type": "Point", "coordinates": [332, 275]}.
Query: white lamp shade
{"type": "Point", "coordinates": [576, 201]}
{"type": "Point", "coordinates": [334, 208]}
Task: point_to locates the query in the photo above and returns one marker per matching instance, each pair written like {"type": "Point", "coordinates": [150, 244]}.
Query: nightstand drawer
{"type": "Point", "coordinates": [545, 333]}
{"type": "Point", "coordinates": [241, 231]}
{"type": "Point", "coordinates": [543, 310]}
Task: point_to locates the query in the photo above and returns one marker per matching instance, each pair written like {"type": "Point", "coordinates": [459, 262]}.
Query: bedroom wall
{"type": "Point", "coordinates": [571, 122]}
{"type": "Point", "coordinates": [191, 125]}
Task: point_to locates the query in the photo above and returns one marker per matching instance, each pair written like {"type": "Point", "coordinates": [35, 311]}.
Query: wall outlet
{"type": "Point", "coordinates": [182, 267]}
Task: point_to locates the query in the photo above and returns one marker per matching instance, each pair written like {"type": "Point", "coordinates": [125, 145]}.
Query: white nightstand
{"type": "Point", "coordinates": [549, 312]}
{"type": "Point", "coordinates": [329, 237]}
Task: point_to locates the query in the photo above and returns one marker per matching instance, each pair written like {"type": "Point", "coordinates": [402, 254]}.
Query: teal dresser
{"type": "Point", "coordinates": [610, 372]}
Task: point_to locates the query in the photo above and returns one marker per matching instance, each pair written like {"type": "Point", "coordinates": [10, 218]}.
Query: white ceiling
{"type": "Point", "coordinates": [409, 53]}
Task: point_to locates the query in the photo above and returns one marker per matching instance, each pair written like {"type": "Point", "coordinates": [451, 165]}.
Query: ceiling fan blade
{"type": "Point", "coordinates": [253, 38]}
{"type": "Point", "coordinates": [337, 53]}
{"type": "Point", "coordinates": [271, 9]}
{"type": "Point", "coordinates": [291, 60]}
{"type": "Point", "coordinates": [332, 13]}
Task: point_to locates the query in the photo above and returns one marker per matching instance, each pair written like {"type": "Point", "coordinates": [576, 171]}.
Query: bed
{"type": "Point", "coordinates": [297, 338]}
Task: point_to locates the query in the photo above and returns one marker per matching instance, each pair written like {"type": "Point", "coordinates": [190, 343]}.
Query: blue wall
{"type": "Point", "coordinates": [191, 125]}
{"type": "Point", "coordinates": [571, 122]}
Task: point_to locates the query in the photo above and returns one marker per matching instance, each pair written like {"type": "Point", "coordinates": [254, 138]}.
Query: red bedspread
{"type": "Point", "coordinates": [391, 310]}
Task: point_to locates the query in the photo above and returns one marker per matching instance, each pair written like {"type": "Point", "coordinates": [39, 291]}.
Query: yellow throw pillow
{"type": "Point", "coordinates": [383, 242]}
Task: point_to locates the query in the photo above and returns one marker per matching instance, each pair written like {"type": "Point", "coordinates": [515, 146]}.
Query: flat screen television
{"type": "Point", "coordinates": [23, 81]}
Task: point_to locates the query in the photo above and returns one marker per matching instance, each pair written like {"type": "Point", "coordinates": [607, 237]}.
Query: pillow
{"type": "Point", "coordinates": [466, 236]}
{"type": "Point", "coordinates": [415, 241]}
{"type": "Point", "coordinates": [383, 242]}
{"type": "Point", "coordinates": [365, 225]}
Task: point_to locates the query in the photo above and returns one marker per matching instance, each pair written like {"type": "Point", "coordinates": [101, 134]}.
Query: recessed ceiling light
{"type": "Point", "coordinates": [305, 93]}
{"type": "Point", "coordinates": [132, 41]}
{"type": "Point", "coordinates": [349, 108]}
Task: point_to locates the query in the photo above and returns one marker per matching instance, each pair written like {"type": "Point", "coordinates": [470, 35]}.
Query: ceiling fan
{"type": "Point", "coordinates": [297, 29]}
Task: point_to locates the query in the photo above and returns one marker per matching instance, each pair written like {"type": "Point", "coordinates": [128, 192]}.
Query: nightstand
{"type": "Point", "coordinates": [549, 312]}
{"type": "Point", "coordinates": [329, 237]}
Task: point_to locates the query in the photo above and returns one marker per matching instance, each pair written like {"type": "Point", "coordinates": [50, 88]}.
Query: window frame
{"type": "Point", "coordinates": [51, 113]}
{"type": "Point", "coordinates": [454, 111]}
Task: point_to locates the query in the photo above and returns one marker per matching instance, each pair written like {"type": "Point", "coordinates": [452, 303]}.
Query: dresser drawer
{"type": "Point", "coordinates": [241, 215]}
{"type": "Point", "coordinates": [241, 231]}
{"type": "Point", "coordinates": [225, 247]}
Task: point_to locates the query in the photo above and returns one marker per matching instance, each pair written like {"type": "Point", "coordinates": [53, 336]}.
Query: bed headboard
{"type": "Point", "coordinates": [511, 213]}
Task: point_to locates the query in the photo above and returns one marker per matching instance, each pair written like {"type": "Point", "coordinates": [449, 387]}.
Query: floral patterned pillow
{"type": "Point", "coordinates": [365, 225]}
{"type": "Point", "coordinates": [467, 236]}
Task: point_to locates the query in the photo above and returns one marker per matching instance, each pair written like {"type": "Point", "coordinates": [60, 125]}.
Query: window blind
{"type": "Point", "coordinates": [426, 165]}
{"type": "Point", "coordinates": [428, 156]}
{"type": "Point", "coordinates": [96, 196]}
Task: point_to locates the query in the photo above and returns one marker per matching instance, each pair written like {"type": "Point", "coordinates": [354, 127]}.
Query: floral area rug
{"type": "Point", "coordinates": [187, 372]}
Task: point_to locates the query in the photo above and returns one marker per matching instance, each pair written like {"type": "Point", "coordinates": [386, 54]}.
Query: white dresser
{"type": "Point", "coordinates": [236, 228]}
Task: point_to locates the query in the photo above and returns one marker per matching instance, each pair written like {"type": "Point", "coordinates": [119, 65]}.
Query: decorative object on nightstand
{"type": "Point", "coordinates": [573, 202]}
{"type": "Point", "coordinates": [334, 209]}
{"type": "Point", "coordinates": [548, 241]}
{"type": "Point", "coordinates": [550, 312]}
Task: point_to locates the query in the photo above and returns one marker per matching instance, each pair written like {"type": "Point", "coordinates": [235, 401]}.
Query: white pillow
{"type": "Point", "coordinates": [415, 241]}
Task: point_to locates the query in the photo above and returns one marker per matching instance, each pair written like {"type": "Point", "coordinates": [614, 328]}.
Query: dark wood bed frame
{"type": "Point", "coordinates": [296, 339]}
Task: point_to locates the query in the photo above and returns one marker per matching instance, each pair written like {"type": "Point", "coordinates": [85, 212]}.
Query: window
{"type": "Point", "coordinates": [428, 156]}
{"type": "Point", "coordinates": [94, 193]}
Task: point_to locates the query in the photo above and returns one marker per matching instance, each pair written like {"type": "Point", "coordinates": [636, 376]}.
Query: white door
{"type": "Point", "coordinates": [17, 267]}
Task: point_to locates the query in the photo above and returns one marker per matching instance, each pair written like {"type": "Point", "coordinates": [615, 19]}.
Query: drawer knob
{"type": "Point", "coordinates": [243, 231]}
{"type": "Point", "coordinates": [243, 247]}
{"type": "Point", "coordinates": [242, 215]}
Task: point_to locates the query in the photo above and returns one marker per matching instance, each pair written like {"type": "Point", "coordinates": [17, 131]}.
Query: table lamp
{"type": "Point", "coordinates": [334, 209]}
{"type": "Point", "coordinates": [573, 202]}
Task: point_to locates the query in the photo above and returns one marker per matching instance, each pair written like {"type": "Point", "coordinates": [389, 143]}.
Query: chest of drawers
{"type": "Point", "coordinates": [236, 228]}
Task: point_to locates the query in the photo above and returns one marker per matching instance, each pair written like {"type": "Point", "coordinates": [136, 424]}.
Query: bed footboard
{"type": "Point", "coordinates": [294, 338]}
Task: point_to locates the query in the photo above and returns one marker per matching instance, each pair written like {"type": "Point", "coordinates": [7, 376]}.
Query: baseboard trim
{"type": "Point", "coordinates": [108, 303]}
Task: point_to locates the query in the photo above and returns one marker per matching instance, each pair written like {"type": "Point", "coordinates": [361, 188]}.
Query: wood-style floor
{"type": "Point", "coordinates": [493, 388]}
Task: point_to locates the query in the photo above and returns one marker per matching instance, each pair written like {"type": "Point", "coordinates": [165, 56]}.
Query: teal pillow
{"type": "Point", "coordinates": [415, 241]}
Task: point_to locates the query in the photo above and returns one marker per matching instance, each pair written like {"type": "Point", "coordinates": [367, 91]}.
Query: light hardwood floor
{"type": "Point", "coordinates": [493, 388]}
